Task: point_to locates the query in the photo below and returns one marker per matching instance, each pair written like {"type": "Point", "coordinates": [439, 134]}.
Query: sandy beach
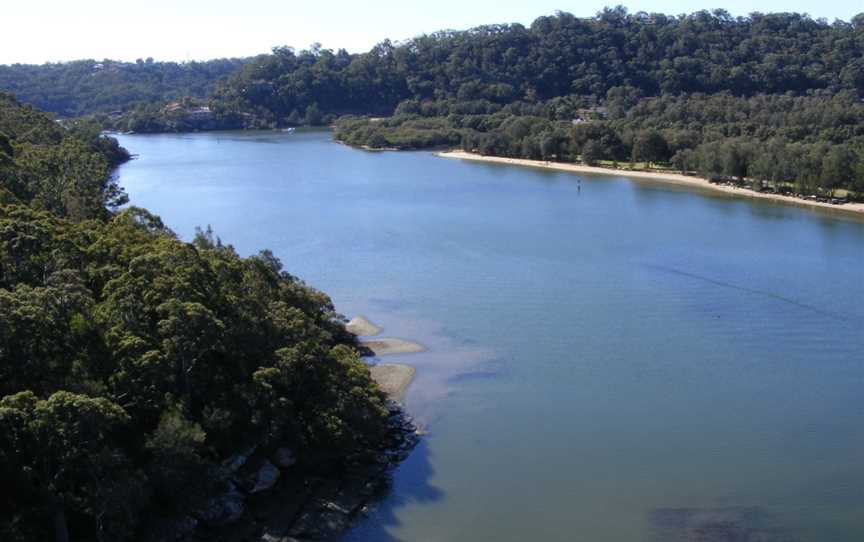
{"type": "Point", "coordinates": [851, 209]}
{"type": "Point", "coordinates": [362, 327]}
{"type": "Point", "coordinates": [393, 379]}
{"type": "Point", "coordinates": [383, 347]}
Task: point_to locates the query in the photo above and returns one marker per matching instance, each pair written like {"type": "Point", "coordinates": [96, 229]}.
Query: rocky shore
{"type": "Point", "coordinates": [268, 499]}
{"type": "Point", "coordinates": [277, 497]}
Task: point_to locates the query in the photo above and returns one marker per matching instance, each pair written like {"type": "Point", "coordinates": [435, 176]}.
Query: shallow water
{"type": "Point", "coordinates": [624, 362]}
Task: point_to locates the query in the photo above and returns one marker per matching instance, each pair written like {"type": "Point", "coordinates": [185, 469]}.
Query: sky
{"type": "Point", "coordinates": [37, 31]}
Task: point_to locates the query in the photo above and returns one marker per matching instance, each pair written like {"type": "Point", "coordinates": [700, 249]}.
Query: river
{"type": "Point", "coordinates": [608, 360]}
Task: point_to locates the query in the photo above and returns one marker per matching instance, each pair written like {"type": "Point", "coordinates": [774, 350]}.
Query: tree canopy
{"type": "Point", "coordinates": [133, 365]}
{"type": "Point", "coordinates": [81, 87]}
{"type": "Point", "coordinates": [559, 55]}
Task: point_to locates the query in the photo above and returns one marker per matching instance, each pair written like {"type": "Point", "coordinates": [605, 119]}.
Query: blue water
{"type": "Point", "coordinates": [624, 362]}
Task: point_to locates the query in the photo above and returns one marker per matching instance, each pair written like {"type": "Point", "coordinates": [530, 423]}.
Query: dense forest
{"type": "Point", "coordinates": [560, 55]}
{"type": "Point", "coordinates": [134, 367]}
{"type": "Point", "coordinates": [74, 89]}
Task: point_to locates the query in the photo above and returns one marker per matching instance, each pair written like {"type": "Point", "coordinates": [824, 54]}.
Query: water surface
{"type": "Point", "coordinates": [622, 362]}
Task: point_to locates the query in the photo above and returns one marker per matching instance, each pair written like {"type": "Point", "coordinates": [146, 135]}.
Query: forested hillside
{"type": "Point", "coordinates": [771, 98]}
{"type": "Point", "coordinates": [134, 367]}
{"type": "Point", "coordinates": [73, 89]}
{"type": "Point", "coordinates": [560, 55]}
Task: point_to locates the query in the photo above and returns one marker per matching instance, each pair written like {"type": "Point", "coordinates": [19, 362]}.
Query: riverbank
{"type": "Point", "coordinates": [295, 505]}
{"type": "Point", "coordinates": [384, 347]}
{"type": "Point", "coordinates": [362, 327]}
{"type": "Point", "coordinates": [392, 378]}
{"type": "Point", "coordinates": [849, 209]}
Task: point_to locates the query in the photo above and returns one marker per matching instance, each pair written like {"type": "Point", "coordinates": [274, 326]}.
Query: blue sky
{"type": "Point", "coordinates": [37, 31]}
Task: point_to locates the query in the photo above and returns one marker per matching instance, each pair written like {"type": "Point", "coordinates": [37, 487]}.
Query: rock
{"type": "Point", "coordinates": [383, 347]}
{"type": "Point", "coordinates": [224, 509]}
{"type": "Point", "coordinates": [284, 458]}
{"type": "Point", "coordinates": [393, 379]}
{"type": "Point", "coordinates": [267, 477]}
{"type": "Point", "coordinates": [362, 327]}
{"type": "Point", "coordinates": [259, 477]}
{"type": "Point", "coordinates": [236, 462]}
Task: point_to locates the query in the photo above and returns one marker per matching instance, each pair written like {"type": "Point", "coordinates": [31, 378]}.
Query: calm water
{"type": "Point", "coordinates": [628, 362]}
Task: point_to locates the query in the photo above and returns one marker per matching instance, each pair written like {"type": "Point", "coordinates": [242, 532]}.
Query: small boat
{"type": "Point", "coordinates": [288, 130]}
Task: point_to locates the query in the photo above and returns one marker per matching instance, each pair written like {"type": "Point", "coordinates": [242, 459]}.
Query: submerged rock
{"type": "Point", "coordinates": [258, 477]}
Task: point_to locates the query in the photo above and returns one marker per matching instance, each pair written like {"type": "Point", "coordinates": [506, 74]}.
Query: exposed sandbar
{"type": "Point", "coordinates": [362, 327]}
{"type": "Point", "coordinates": [382, 347]}
{"type": "Point", "coordinates": [853, 209]}
{"type": "Point", "coordinates": [393, 379]}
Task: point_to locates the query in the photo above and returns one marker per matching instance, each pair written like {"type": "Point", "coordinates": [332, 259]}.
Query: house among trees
{"type": "Point", "coordinates": [189, 113]}
{"type": "Point", "coordinates": [590, 114]}
{"type": "Point", "coordinates": [199, 114]}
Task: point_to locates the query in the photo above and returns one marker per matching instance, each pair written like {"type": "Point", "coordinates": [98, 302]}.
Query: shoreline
{"type": "Point", "coordinates": [361, 327]}
{"type": "Point", "coordinates": [849, 209]}
{"type": "Point", "coordinates": [391, 378]}
{"type": "Point", "coordinates": [387, 346]}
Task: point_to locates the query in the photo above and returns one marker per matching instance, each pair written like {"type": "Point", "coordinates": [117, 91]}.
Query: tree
{"type": "Point", "coordinates": [591, 153]}
{"type": "Point", "coordinates": [64, 452]}
{"type": "Point", "coordinates": [838, 168]}
{"type": "Point", "coordinates": [733, 155]}
{"type": "Point", "coordinates": [178, 470]}
{"type": "Point", "coordinates": [650, 146]}
{"type": "Point", "coordinates": [685, 160]}
{"type": "Point", "coordinates": [191, 334]}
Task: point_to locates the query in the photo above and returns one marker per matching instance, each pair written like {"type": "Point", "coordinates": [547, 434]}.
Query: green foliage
{"type": "Point", "coordinates": [64, 452]}
{"type": "Point", "coordinates": [66, 171]}
{"type": "Point", "coordinates": [74, 89]}
{"type": "Point", "coordinates": [556, 57]}
{"type": "Point", "coordinates": [812, 144]}
{"type": "Point", "coordinates": [132, 365]}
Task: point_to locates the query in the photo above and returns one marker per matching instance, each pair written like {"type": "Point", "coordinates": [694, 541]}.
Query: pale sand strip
{"type": "Point", "coordinates": [362, 327]}
{"type": "Point", "coordinates": [382, 347]}
{"type": "Point", "coordinates": [393, 379]}
{"type": "Point", "coordinates": [852, 209]}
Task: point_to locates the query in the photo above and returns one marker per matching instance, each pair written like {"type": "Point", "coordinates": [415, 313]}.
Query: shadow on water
{"type": "Point", "coordinates": [735, 524]}
{"type": "Point", "coordinates": [745, 289]}
{"type": "Point", "coordinates": [410, 484]}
